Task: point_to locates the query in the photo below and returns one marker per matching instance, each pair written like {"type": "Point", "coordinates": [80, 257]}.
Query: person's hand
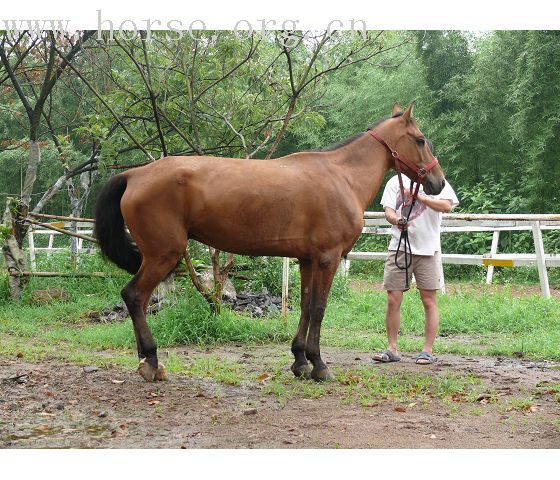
{"type": "Point", "coordinates": [402, 224]}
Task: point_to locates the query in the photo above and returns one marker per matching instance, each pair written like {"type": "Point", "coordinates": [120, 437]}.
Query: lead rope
{"type": "Point", "coordinates": [404, 238]}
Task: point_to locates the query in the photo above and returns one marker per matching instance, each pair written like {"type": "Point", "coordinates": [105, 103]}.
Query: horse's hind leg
{"type": "Point", "coordinates": [137, 295]}
{"type": "Point", "coordinates": [324, 270]}
{"type": "Point", "coordinates": [301, 367]}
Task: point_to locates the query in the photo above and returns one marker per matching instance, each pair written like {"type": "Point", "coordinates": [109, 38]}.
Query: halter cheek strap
{"type": "Point", "coordinates": [420, 174]}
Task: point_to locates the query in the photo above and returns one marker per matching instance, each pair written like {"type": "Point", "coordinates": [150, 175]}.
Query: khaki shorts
{"type": "Point", "coordinates": [426, 269]}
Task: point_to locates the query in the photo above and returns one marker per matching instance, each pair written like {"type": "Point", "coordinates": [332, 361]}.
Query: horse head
{"type": "Point", "coordinates": [411, 151]}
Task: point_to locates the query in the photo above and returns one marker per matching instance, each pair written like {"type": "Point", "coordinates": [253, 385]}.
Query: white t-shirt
{"type": "Point", "coordinates": [423, 224]}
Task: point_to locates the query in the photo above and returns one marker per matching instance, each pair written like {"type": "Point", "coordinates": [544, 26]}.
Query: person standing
{"type": "Point", "coordinates": [424, 228]}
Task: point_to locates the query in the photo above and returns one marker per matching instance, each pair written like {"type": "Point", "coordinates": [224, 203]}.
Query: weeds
{"type": "Point", "coordinates": [524, 404]}
{"type": "Point", "coordinates": [216, 368]}
{"type": "Point", "coordinates": [367, 386]}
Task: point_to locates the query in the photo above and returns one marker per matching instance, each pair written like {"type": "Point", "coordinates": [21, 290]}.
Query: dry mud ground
{"type": "Point", "coordinates": [60, 406]}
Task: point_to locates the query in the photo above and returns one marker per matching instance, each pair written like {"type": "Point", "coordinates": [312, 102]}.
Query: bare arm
{"type": "Point", "coordinates": [439, 205]}
{"type": "Point", "coordinates": [394, 219]}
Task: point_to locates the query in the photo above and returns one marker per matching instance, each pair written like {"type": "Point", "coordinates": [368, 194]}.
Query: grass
{"type": "Point", "coordinates": [481, 323]}
{"type": "Point", "coordinates": [523, 404]}
{"type": "Point", "coordinates": [367, 386]}
{"type": "Point", "coordinates": [222, 370]}
{"type": "Point", "coordinates": [488, 324]}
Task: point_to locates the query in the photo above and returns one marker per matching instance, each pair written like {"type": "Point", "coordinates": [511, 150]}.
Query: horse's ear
{"type": "Point", "coordinates": [407, 115]}
{"type": "Point", "coordinates": [396, 109]}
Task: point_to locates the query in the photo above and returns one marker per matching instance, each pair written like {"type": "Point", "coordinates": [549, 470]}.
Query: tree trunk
{"type": "Point", "coordinates": [76, 212]}
{"type": "Point", "coordinates": [14, 213]}
{"type": "Point", "coordinates": [31, 173]}
{"type": "Point", "coordinates": [13, 253]}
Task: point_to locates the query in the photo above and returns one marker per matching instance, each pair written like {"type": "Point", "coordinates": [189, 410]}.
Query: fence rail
{"type": "Point", "coordinates": [376, 224]}
{"type": "Point", "coordinates": [83, 232]}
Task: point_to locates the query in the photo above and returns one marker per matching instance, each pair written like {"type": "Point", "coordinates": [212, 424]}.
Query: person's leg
{"type": "Point", "coordinates": [429, 299]}
{"type": "Point", "coordinates": [393, 318]}
{"type": "Point", "coordinates": [394, 283]}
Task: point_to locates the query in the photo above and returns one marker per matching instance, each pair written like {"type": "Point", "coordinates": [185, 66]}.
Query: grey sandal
{"type": "Point", "coordinates": [386, 357]}
{"type": "Point", "coordinates": [425, 358]}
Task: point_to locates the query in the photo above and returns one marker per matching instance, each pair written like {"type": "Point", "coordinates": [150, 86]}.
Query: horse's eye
{"type": "Point", "coordinates": [421, 141]}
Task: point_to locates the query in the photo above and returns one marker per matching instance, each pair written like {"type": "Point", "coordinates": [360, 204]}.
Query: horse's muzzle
{"type": "Point", "coordinates": [434, 187]}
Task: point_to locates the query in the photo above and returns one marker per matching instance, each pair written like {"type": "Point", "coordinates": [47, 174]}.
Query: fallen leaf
{"type": "Point", "coordinates": [263, 377]}
{"type": "Point", "coordinates": [410, 405]}
{"type": "Point", "coordinates": [533, 408]}
{"type": "Point", "coordinates": [19, 355]}
{"type": "Point", "coordinates": [154, 402]}
{"type": "Point", "coordinates": [117, 382]}
{"type": "Point", "coordinates": [400, 409]}
{"type": "Point", "coordinates": [50, 394]}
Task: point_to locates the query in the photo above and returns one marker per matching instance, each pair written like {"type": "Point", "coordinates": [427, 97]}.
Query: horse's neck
{"type": "Point", "coordinates": [365, 163]}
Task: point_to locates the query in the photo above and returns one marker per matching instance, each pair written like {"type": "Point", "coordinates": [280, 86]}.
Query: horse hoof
{"type": "Point", "coordinates": [151, 374]}
{"type": "Point", "coordinates": [321, 374]}
{"type": "Point", "coordinates": [302, 370]}
{"type": "Point", "coordinates": [161, 373]}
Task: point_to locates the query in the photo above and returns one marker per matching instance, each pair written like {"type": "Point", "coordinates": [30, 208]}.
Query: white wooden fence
{"type": "Point", "coordinates": [36, 232]}
{"type": "Point", "coordinates": [376, 224]}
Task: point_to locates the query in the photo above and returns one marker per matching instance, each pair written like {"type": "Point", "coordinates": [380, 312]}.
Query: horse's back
{"type": "Point", "coordinates": [257, 207]}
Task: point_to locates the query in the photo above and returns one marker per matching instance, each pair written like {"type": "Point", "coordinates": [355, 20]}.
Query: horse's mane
{"type": "Point", "coordinates": [358, 135]}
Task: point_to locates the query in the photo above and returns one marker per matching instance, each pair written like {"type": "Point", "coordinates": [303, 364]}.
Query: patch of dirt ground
{"type": "Point", "coordinates": [54, 405]}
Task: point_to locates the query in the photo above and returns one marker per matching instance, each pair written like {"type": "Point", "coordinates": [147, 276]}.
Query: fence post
{"type": "Point", "coordinates": [541, 264]}
{"type": "Point", "coordinates": [344, 266]}
{"type": "Point", "coordinates": [285, 284]}
{"type": "Point", "coordinates": [31, 240]}
{"type": "Point", "coordinates": [493, 250]}
{"type": "Point", "coordinates": [441, 275]}
{"type": "Point", "coordinates": [51, 239]}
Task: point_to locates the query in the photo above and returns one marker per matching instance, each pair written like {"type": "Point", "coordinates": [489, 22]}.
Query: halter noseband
{"type": "Point", "coordinates": [420, 172]}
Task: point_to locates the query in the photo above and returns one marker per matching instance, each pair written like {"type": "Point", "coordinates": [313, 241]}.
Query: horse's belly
{"type": "Point", "coordinates": [249, 242]}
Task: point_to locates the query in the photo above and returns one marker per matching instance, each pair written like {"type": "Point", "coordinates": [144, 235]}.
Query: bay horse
{"type": "Point", "coordinates": [307, 205]}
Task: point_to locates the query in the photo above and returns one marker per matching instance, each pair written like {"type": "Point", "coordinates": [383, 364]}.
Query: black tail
{"type": "Point", "coordinates": [116, 245]}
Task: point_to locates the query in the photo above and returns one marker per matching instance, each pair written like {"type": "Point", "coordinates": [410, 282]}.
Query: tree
{"type": "Point", "coordinates": [33, 68]}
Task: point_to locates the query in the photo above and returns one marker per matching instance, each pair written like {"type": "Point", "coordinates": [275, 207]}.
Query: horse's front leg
{"type": "Point", "coordinates": [324, 270]}
{"type": "Point", "coordinates": [300, 367]}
